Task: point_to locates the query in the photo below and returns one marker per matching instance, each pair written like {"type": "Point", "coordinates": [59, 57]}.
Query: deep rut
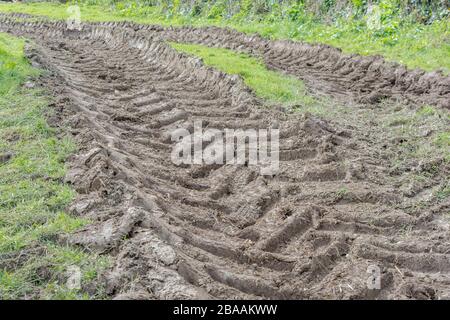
{"type": "Point", "coordinates": [226, 231]}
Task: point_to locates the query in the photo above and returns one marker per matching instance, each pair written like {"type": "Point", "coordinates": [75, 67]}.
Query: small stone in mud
{"type": "Point", "coordinates": [374, 97]}
{"type": "Point", "coordinates": [29, 85]}
{"type": "Point", "coordinates": [5, 157]}
{"type": "Point", "coordinates": [103, 76]}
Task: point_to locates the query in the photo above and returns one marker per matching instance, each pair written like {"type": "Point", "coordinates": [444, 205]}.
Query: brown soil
{"type": "Point", "coordinates": [338, 205]}
{"type": "Point", "coordinates": [326, 70]}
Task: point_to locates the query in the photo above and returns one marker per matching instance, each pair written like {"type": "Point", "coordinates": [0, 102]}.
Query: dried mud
{"type": "Point", "coordinates": [335, 208]}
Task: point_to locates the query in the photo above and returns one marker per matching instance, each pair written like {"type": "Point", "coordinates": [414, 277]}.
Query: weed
{"type": "Point", "coordinates": [341, 192]}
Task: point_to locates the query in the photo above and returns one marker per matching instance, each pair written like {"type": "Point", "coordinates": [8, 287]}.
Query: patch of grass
{"type": "Point", "coordinates": [412, 137]}
{"type": "Point", "coordinates": [272, 86]}
{"type": "Point", "coordinates": [341, 192]}
{"type": "Point", "coordinates": [399, 121]}
{"type": "Point", "coordinates": [413, 44]}
{"type": "Point", "coordinates": [89, 12]}
{"type": "Point", "coordinates": [32, 195]}
{"type": "Point", "coordinates": [443, 140]}
{"type": "Point", "coordinates": [13, 65]}
{"type": "Point", "coordinates": [444, 192]}
{"type": "Point", "coordinates": [426, 111]}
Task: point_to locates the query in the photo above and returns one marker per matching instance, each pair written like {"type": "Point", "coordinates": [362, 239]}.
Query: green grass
{"type": "Point", "coordinates": [96, 13]}
{"type": "Point", "coordinates": [13, 65]}
{"type": "Point", "coordinates": [444, 192]}
{"type": "Point", "coordinates": [412, 44]}
{"type": "Point", "coordinates": [425, 132]}
{"type": "Point", "coordinates": [271, 86]}
{"type": "Point", "coordinates": [426, 111]}
{"type": "Point", "coordinates": [32, 195]}
{"type": "Point", "coordinates": [416, 46]}
{"type": "Point", "coordinates": [443, 140]}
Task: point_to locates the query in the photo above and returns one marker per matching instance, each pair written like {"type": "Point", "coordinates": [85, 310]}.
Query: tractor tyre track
{"type": "Point", "coordinates": [203, 232]}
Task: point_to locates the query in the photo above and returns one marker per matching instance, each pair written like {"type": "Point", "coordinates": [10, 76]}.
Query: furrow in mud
{"type": "Point", "coordinates": [223, 231]}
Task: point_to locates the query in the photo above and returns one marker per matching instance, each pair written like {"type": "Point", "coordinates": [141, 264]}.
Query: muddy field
{"type": "Point", "coordinates": [340, 206]}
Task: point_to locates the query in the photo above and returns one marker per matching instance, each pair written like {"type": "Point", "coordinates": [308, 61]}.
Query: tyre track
{"type": "Point", "coordinates": [325, 69]}
{"type": "Point", "coordinates": [221, 231]}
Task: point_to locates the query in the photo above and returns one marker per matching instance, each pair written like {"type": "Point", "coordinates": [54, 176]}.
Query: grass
{"type": "Point", "coordinates": [418, 146]}
{"type": "Point", "coordinates": [341, 192]}
{"type": "Point", "coordinates": [412, 44]}
{"type": "Point", "coordinates": [32, 195]}
{"type": "Point", "coordinates": [443, 140]}
{"type": "Point", "coordinates": [58, 11]}
{"type": "Point", "coordinates": [13, 66]}
{"type": "Point", "coordinates": [425, 132]}
{"type": "Point", "coordinates": [271, 86]}
{"type": "Point", "coordinates": [444, 193]}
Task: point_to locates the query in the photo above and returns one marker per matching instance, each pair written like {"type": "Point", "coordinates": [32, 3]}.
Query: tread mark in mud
{"type": "Point", "coordinates": [179, 232]}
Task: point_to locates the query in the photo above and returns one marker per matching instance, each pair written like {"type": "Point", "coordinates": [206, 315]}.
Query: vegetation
{"type": "Point", "coordinates": [414, 33]}
{"type": "Point", "coordinates": [32, 196]}
{"type": "Point", "coordinates": [423, 133]}
{"type": "Point", "coordinates": [272, 86]}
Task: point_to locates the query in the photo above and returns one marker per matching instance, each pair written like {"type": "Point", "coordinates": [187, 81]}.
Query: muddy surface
{"type": "Point", "coordinates": [337, 209]}
{"type": "Point", "coordinates": [326, 70]}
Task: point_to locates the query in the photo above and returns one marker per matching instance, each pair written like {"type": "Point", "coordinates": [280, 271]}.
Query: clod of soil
{"type": "Point", "coordinates": [5, 157]}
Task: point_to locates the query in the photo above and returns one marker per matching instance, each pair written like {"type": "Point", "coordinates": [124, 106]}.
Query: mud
{"type": "Point", "coordinates": [336, 210]}
{"type": "Point", "coordinates": [5, 157]}
{"type": "Point", "coordinates": [325, 69]}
